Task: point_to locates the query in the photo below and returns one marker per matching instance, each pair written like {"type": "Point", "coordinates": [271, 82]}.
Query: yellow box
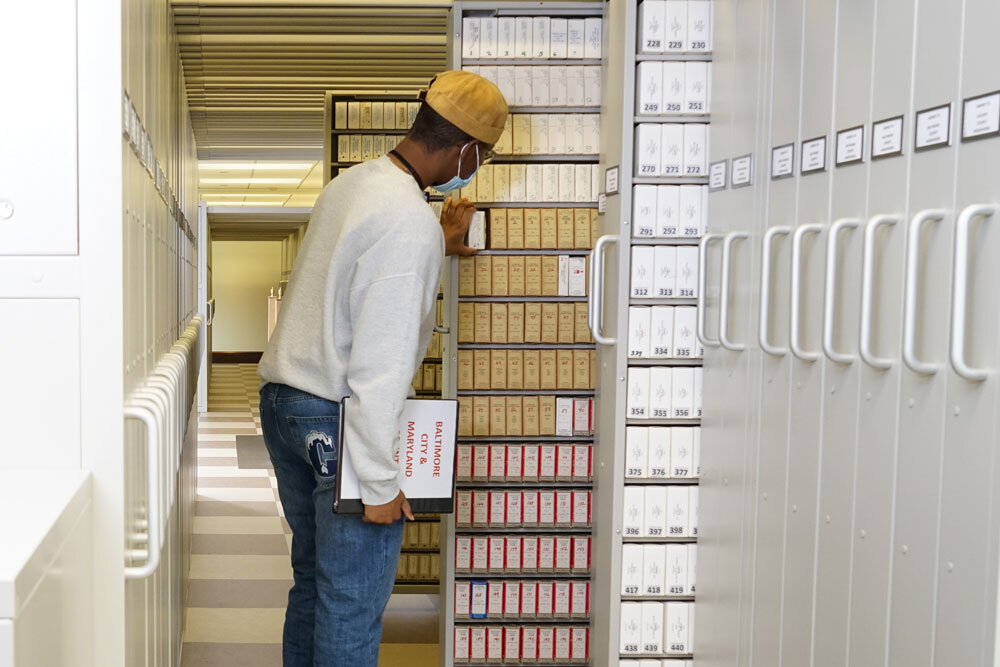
{"type": "Point", "coordinates": [550, 323]}
{"type": "Point", "coordinates": [515, 275]}
{"type": "Point", "coordinates": [484, 275]}
{"type": "Point", "coordinates": [581, 228]}
{"type": "Point", "coordinates": [532, 322]}
{"type": "Point", "coordinates": [582, 329]}
{"type": "Point", "coordinates": [515, 322]}
{"type": "Point", "coordinates": [546, 415]}
{"type": "Point", "coordinates": [484, 323]}
{"type": "Point", "coordinates": [550, 229]}
{"type": "Point", "coordinates": [438, 377]}
{"type": "Point", "coordinates": [500, 273]}
{"type": "Point", "coordinates": [481, 370]}
{"type": "Point", "coordinates": [564, 369]}
{"type": "Point", "coordinates": [548, 370]}
{"type": "Point", "coordinates": [567, 323]}
{"type": "Point", "coordinates": [498, 369]}
{"type": "Point", "coordinates": [532, 228]}
{"type": "Point", "coordinates": [429, 375]}
{"type": "Point", "coordinates": [529, 415]}
{"type": "Point", "coordinates": [480, 415]}
{"type": "Point", "coordinates": [515, 228]}
{"type": "Point", "coordinates": [484, 183]}
{"type": "Point", "coordinates": [514, 416]}
{"type": "Point", "coordinates": [550, 275]}
{"type": "Point", "coordinates": [595, 226]}
{"type": "Point", "coordinates": [418, 379]}
{"type": "Point", "coordinates": [466, 323]}
{"type": "Point", "coordinates": [533, 275]}
{"type": "Point", "coordinates": [498, 228]}
{"type": "Point", "coordinates": [498, 332]}
{"type": "Point", "coordinates": [532, 374]}
{"type": "Point", "coordinates": [498, 415]}
{"type": "Point", "coordinates": [515, 369]}
{"type": "Point", "coordinates": [593, 369]}
{"type": "Point", "coordinates": [465, 415]}
{"type": "Point", "coordinates": [581, 369]}
{"type": "Point", "coordinates": [564, 228]}
{"type": "Point", "coordinates": [467, 276]}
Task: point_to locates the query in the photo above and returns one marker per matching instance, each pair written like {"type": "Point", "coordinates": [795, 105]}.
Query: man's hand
{"type": "Point", "coordinates": [455, 218]}
{"type": "Point", "coordinates": [390, 512]}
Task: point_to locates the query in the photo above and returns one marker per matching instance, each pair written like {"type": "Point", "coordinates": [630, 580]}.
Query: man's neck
{"type": "Point", "coordinates": [417, 156]}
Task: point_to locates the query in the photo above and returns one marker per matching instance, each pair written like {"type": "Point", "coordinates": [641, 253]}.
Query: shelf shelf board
{"type": "Point", "coordinates": [526, 346]}
{"type": "Point", "coordinates": [576, 158]}
{"type": "Point", "coordinates": [657, 656]}
{"type": "Point", "coordinates": [420, 550]}
{"type": "Point", "coordinates": [555, 252]}
{"type": "Point", "coordinates": [687, 363]}
{"type": "Point", "coordinates": [574, 393]}
{"type": "Point", "coordinates": [478, 576]}
{"type": "Point", "coordinates": [683, 56]}
{"type": "Point", "coordinates": [685, 240]}
{"type": "Point", "coordinates": [583, 486]}
{"type": "Point", "coordinates": [663, 422]}
{"type": "Point", "coordinates": [692, 301]}
{"type": "Point", "coordinates": [662, 481]}
{"type": "Point", "coordinates": [657, 598]}
{"type": "Point", "coordinates": [521, 299]}
{"type": "Point", "coordinates": [670, 180]}
{"type": "Point", "coordinates": [535, 204]}
{"type": "Point", "coordinates": [549, 110]}
{"type": "Point", "coordinates": [673, 118]}
{"type": "Point", "coordinates": [542, 439]}
{"type": "Point", "coordinates": [473, 62]}
{"type": "Point", "coordinates": [530, 530]}
{"type": "Point", "coordinates": [522, 621]}
{"type": "Point", "coordinates": [659, 540]}
{"type": "Point", "coordinates": [368, 130]}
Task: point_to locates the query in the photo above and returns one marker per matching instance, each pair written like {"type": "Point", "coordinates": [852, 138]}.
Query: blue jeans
{"type": "Point", "coordinates": [344, 568]}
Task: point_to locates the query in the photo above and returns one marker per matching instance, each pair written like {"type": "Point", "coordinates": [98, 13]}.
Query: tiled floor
{"type": "Point", "coordinates": [240, 571]}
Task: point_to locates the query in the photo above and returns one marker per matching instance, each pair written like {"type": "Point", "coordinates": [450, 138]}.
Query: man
{"type": "Point", "coordinates": [355, 322]}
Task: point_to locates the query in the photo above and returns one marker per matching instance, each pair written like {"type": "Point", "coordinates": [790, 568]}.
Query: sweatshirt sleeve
{"type": "Point", "coordinates": [386, 315]}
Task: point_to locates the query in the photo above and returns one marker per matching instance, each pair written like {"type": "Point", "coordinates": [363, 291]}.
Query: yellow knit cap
{"type": "Point", "coordinates": [470, 103]}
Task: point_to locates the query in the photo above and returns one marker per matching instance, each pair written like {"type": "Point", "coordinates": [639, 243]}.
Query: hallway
{"type": "Point", "coordinates": [240, 571]}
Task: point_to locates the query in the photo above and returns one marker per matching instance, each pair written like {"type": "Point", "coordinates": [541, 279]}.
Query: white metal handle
{"type": "Point", "coordinates": [702, 303]}
{"type": "Point", "coordinates": [960, 290]}
{"type": "Point", "coordinates": [146, 416]}
{"type": "Point", "coordinates": [830, 291]}
{"type": "Point", "coordinates": [764, 333]}
{"type": "Point", "coordinates": [867, 292]}
{"type": "Point", "coordinates": [795, 315]}
{"type": "Point", "coordinates": [210, 307]}
{"type": "Point", "coordinates": [727, 255]}
{"type": "Point", "coordinates": [595, 297]}
{"type": "Point", "coordinates": [912, 280]}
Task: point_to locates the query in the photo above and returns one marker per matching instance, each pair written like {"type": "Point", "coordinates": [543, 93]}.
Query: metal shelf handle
{"type": "Point", "coordinates": [910, 302]}
{"type": "Point", "coordinates": [764, 333]}
{"type": "Point", "coordinates": [867, 292]}
{"type": "Point", "coordinates": [152, 443]}
{"type": "Point", "coordinates": [830, 293]}
{"type": "Point", "coordinates": [960, 290]}
{"type": "Point", "coordinates": [793, 338]}
{"type": "Point", "coordinates": [702, 306]}
{"type": "Point", "coordinates": [727, 256]}
{"type": "Point", "coordinates": [595, 298]}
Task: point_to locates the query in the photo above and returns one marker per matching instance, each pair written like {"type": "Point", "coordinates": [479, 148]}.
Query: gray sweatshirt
{"type": "Point", "coordinates": [360, 309]}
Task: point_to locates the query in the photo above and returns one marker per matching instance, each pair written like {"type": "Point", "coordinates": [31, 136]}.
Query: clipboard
{"type": "Point", "coordinates": [425, 449]}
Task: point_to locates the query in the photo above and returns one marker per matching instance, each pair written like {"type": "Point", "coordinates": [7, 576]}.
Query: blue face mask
{"type": "Point", "coordinates": [457, 181]}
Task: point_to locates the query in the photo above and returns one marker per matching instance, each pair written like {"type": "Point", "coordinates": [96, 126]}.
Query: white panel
{"type": "Point", "coordinates": [43, 352]}
{"type": "Point", "coordinates": [38, 81]}
{"type": "Point", "coordinates": [6, 643]}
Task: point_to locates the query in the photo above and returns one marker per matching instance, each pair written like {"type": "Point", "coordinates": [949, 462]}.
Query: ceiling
{"type": "Point", "coordinates": [255, 224]}
{"type": "Point", "coordinates": [256, 70]}
{"type": "Point", "coordinates": [259, 183]}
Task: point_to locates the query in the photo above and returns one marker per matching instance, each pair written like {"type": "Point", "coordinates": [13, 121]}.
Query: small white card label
{"type": "Point", "coordinates": [782, 161]}
{"type": "Point", "coordinates": [981, 116]}
{"type": "Point", "coordinates": [717, 173]}
{"type": "Point", "coordinates": [742, 171]}
{"type": "Point", "coordinates": [933, 128]}
{"type": "Point", "coordinates": [851, 146]}
{"type": "Point", "coordinates": [814, 155]}
{"type": "Point", "coordinates": [887, 138]}
{"type": "Point", "coordinates": [602, 203]}
{"type": "Point", "coordinates": [611, 181]}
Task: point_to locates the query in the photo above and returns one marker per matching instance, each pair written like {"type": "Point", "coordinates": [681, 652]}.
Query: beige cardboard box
{"type": "Point", "coordinates": [595, 226]}
{"type": "Point", "coordinates": [581, 369]}
{"type": "Point", "coordinates": [430, 372]}
{"type": "Point", "coordinates": [498, 415]}
{"type": "Point", "coordinates": [467, 276]}
{"type": "Point", "coordinates": [567, 323]}
{"type": "Point", "coordinates": [547, 415]}
{"type": "Point", "coordinates": [550, 275]}
{"type": "Point", "coordinates": [564, 228]}
{"type": "Point", "coordinates": [529, 418]}
{"type": "Point", "coordinates": [564, 369]}
{"type": "Point", "coordinates": [581, 228]}
{"type": "Point", "coordinates": [500, 272]}
{"type": "Point", "coordinates": [481, 369]}
{"type": "Point", "coordinates": [532, 322]}
{"type": "Point", "coordinates": [498, 369]}
{"type": "Point", "coordinates": [593, 369]}
{"type": "Point", "coordinates": [532, 374]}
{"type": "Point", "coordinates": [549, 228]}
{"type": "Point", "coordinates": [498, 324]}
{"type": "Point", "coordinates": [501, 182]}
{"type": "Point", "coordinates": [514, 416]}
{"type": "Point", "coordinates": [465, 415]}
{"type": "Point", "coordinates": [484, 183]}
{"type": "Point", "coordinates": [515, 276]}
{"type": "Point", "coordinates": [581, 332]}
{"type": "Point", "coordinates": [532, 228]}
{"type": "Point", "coordinates": [532, 276]}
{"type": "Point", "coordinates": [484, 323]}
{"type": "Point", "coordinates": [550, 323]}
{"type": "Point", "coordinates": [466, 323]}
{"type": "Point", "coordinates": [521, 134]}
{"type": "Point", "coordinates": [484, 275]}
{"type": "Point", "coordinates": [518, 183]}
{"type": "Point", "coordinates": [548, 370]}
{"type": "Point", "coordinates": [515, 228]}
{"type": "Point", "coordinates": [515, 322]}
{"type": "Point", "coordinates": [515, 369]}
{"type": "Point", "coordinates": [480, 415]}
{"type": "Point", "coordinates": [498, 228]}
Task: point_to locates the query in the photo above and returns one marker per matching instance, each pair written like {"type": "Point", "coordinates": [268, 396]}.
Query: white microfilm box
{"type": "Point", "coordinates": [677, 569]}
{"type": "Point", "coordinates": [673, 88]}
{"type": "Point", "coordinates": [676, 24]}
{"type": "Point", "coordinates": [575, 37]}
{"type": "Point", "coordinates": [488, 38]}
{"type": "Point", "coordinates": [462, 599]}
{"type": "Point", "coordinates": [632, 569]}
{"type": "Point", "coordinates": [471, 37]}
{"type": "Point", "coordinates": [643, 266]}
{"type": "Point", "coordinates": [541, 30]}
{"type": "Point", "coordinates": [655, 514]}
{"type": "Point", "coordinates": [687, 272]}
{"type": "Point", "coordinates": [678, 519]}
{"type": "Point", "coordinates": [506, 41]}
{"type": "Point", "coordinates": [632, 511]}
{"type": "Point", "coordinates": [648, 158]}
{"type": "Point", "coordinates": [574, 134]}
{"type": "Point", "coordinates": [695, 149]}
{"type": "Point", "coordinates": [631, 628]}
{"type": "Point", "coordinates": [533, 175]}
{"type": "Point", "coordinates": [477, 644]}
{"type": "Point", "coordinates": [652, 27]}
{"type": "Point", "coordinates": [576, 91]}
{"type": "Point", "coordinates": [638, 332]}
{"type": "Point", "coordinates": [692, 561]}
{"type": "Point", "coordinates": [696, 87]}
{"type": "Point", "coordinates": [593, 32]}
{"type": "Point", "coordinates": [654, 559]}
{"type": "Point", "coordinates": [691, 210]}
{"type": "Point", "coordinates": [677, 621]}
{"type": "Point", "coordinates": [636, 451]}
{"type": "Point", "coordinates": [461, 645]}
{"type": "Point", "coordinates": [665, 274]}
{"type": "Point", "coordinates": [668, 215]}
{"type": "Point", "coordinates": [538, 130]}
{"type": "Point", "coordinates": [523, 32]}
{"type": "Point", "coordinates": [649, 88]}
{"type": "Point", "coordinates": [658, 458]}
{"type": "Point", "coordinates": [682, 452]}
{"type": "Point", "coordinates": [567, 182]}
{"type": "Point", "coordinates": [638, 393]}
{"type": "Point", "coordinates": [522, 86]}
{"type": "Point", "coordinates": [652, 627]}
{"type": "Point", "coordinates": [685, 341]}
{"type": "Point", "coordinates": [683, 394]}
{"type": "Point", "coordinates": [558, 85]}
{"type": "Point", "coordinates": [644, 211]}
{"type": "Point", "coordinates": [581, 193]}
{"type": "Point", "coordinates": [699, 21]}
{"type": "Point", "coordinates": [505, 82]}
{"type": "Point", "coordinates": [550, 182]}
{"type": "Point", "coordinates": [672, 149]}
{"type": "Point", "coordinates": [661, 332]}
{"type": "Point", "coordinates": [660, 393]}
{"type": "Point", "coordinates": [540, 86]}
{"type": "Point", "coordinates": [556, 133]}
{"type": "Point", "coordinates": [693, 510]}
{"type": "Point", "coordinates": [592, 85]}
{"type": "Point", "coordinates": [558, 38]}
{"type": "Point", "coordinates": [699, 388]}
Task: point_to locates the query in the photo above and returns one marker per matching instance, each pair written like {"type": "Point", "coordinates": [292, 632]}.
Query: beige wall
{"type": "Point", "coordinates": [243, 273]}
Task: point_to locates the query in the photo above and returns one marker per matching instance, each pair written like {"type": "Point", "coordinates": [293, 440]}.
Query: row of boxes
{"type": "Point", "coordinates": [664, 393]}
{"type": "Point", "coordinates": [662, 452]}
{"type": "Point", "coordinates": [418, 567]}
{"type": "Point", "coordinates": [521, 645]}
{"type": "Point", "coordinates": [531, 322]}
{"type": "Point", "coordinates": [428, 377]}
{"type": "Point", "coordinates": [663, 332]}
{"type": "Point", "coordinates": [658, 570]}
{"type": "Point", "coordinates": [514, 463]}
{"type": "Point", "coordinates": [514, 554]}
{"type": "Point", "coordinates": [657, 628]}
{"type": "Point", "coordinates": [523, 275]}
{"type": "Point", "coordinates": [669, 211]}
{"type": "Point", "coordinates": [674, 88]}
{"type": "Point", "coordinates": [532, 508]}
{"type": "Point", "coordinates": [535, 183]}
{"type": "Point", "coordinates": [422, 535]}
{"type": "Point", "coordinates": [664, 272]}
{"type": "Point", "coordinates": [550, 134]}
{"type": "Point", "coordinates": [675, 26]}
{"type": "Point", "coordinates": [364, 147]}
{"type": "Point", "coordinates": [435, 344]}
{"type": "Point", "coordinates": [656, 662]}
{"type": "Point", "coordinates": [542, 228]}
{"type": "Point", "coordinates": [671, 149]}
{"type": "Point", "coordinates": [660, 512]}
{"type": "Point", "coordinates": [508, 369]}
{"type": "Point", "coordinates": [528, 416]}
{"type": "Point", "coordinates": [545, 86]}
{"type": "Point", "coordinates": [538, 37]}
{"type": "Point", "coordinates": [522, 600]}
{"type": "Point", "coordinates": [374, 115]}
